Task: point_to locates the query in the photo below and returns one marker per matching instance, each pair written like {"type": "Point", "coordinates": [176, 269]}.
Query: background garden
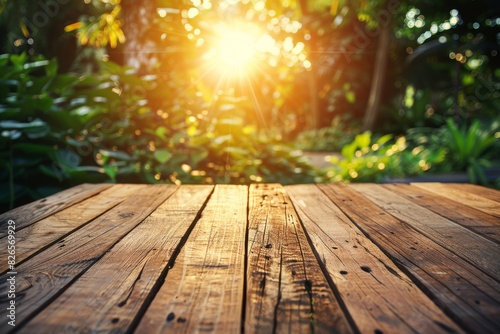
{"type": "Point", "coordinates": [234, 91]}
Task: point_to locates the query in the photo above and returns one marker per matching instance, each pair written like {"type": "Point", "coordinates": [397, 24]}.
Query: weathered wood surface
{"type": "Point", "coordinates": [203, 291]}
{"type": "Point", "coordinates": [286, 289]}
{"type": "Point", "coordinates": [42, 234]}
{"type": "Point", "coordinates": [469, 296]}
{"type": "Point", "coordinates": [492, 194]}
{"type": "Point", "coordinates": [28, 214]}
{"type": "Point", "coordinates": [120, 282]}
{"type": "Point", "coordinates": [360, 258]}
{"type": "Point", "coordinates": [477, 200]}
{"type": "Point", "coordinates": [468, 245]}
{"type": "Point", "coordinates": [377, 294]}
{"type": "Point", "coordinates": [42, 278]}
{"type": "Point", "coordinates": [469, 217]}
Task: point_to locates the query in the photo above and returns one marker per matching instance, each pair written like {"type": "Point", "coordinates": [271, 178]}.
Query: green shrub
{"type": "Point", "coordinates": [470, 149]}
{"type": "Point", "coordinates": [329, 139]}
{"type": "Point", "coordinates": [39, 111]}
{"type": "Point", "coordinates": [450, 148]}
{"type": "Point", "coordinates": [369, 160]}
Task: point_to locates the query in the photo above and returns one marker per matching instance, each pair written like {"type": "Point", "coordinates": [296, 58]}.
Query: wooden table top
{"type": "Point", "coordinates": [359, 258]}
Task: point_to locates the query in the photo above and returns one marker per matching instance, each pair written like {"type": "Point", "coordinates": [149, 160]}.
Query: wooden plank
{"type": "Point", "coordinates": [492, 194]}
{"type": "Point", "coordinates": [111, 295]}
{"type": "Point", "coordinates": [28, 214]}
{"type": "Point", "coordinates": [47, 231]}
{"type": "Point", "coordinates": [462, 196]}
{"type": "Point", "coordinates": [287, 291]}
{"type": "Point", "coordinates": [470, 297]}
{"type": "Point", "coordinates": [45, 276]}
{"type": "Point", "coordinates": [378, 295]}
{"type": "Point", "coordinates": [476, 249]}
{"type": "Point", "coordinates": [475, 220]}
{"type": "Point", "coordinates": [204, 291]}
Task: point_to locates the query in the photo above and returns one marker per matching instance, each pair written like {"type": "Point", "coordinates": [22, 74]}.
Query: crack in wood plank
{"type": "Point", "coordinates": [204, 291]}
{"type": "Point", "coordinates": [84, 247]}
{"type": "Point", "coordinates": [286, 288]}
{"type": "Point", "coordinates": [374, 300]}
{"type": "Point", "coordinates": [452, 283]}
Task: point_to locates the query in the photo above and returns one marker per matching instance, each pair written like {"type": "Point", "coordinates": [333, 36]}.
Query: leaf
{"type": "Point", "coordinates": [198, 157]}
{"type": "Point", "coordinates": [237, 152]}
{"type": "Point", "coordinates": [73, 26]}
{"type": "Point", "coordinates": [111, 172]}
{"type": "Point", "coordinates": [120, 155]}
{"type": "Point", "coordinates": [161, 131]}
{"type": "Point", "coordinates": [249, 129]}
{"type": "Point", "coordinates": [334, 8]}
{"type": "Point", "coordinates": [19, 60]}
{"type": "Point", "coordinates": [363, 140]}
{"type": "Point", "coordinates": [55, 170]}
{"type": "Point", "coordinates": [221, 139]}
{"type": "Point", "coordinates": [20, 125]}
{"type": "Point", "coordinates": [384, 139]}
{"type": "Point", "coordinates": [350, 97]}
{"type": "Point", "coordinates": [35, 129]}
{"type": "Point", "coordinates": [36, 64]}
{"type": "Point", "coordinates": [13, 83]}
{"type": "Point", "coordinates": [12, 135]}
{"type": "Point", "coordinates": [4, 59]}
{"type": "Point", "coordinates": [162, 155]}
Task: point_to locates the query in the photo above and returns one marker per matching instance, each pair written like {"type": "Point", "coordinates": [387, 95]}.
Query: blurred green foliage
{"type": "Point", "coordinates": [59, 130]}
{"type": "Point", "coordinates": [39, 110]}
{"type": "Point", "coordinates": [449, 148]}
{"type": "Point", "coordinates": [329, 139]}
{"type": "Point", "coordinates": [471, 148]}
{"type": "Point", "coordinates": [371, 160]}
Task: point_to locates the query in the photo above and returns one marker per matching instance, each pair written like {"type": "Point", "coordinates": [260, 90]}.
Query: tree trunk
{"type": "Point", "coordinates": [372, 108]}
{"type": "Point", "coordinates": [138, 16]}
{"type": "Point", "coordinates": [313, 119]}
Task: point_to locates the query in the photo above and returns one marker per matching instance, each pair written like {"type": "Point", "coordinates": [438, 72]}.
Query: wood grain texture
{"type": "Point", "coordinates": [481, 223]}
{"type": "Point", "coordinates": [45, 232]}
{"type": "Point", "coordinates": [44, 277]}
{"type": "Point", "coordinates": [462, 196]}
{"type": "Point", "coordinates": [287, 291]}
{"type": "Point", "coordinates": [204, 291]}
{"type": "Point", "coordinates": [362, 258]}
{"type": "Point", "coordinates": [378, 295]}
{"type": "Point", "coordinates": [492, 194]}
{"type": "Point", "coordinates": [479, 251]}
{"type": "Point", "coordinates": [28, 214]}
{"type": "Point", "coordinates": [469, 296]}
{"type": "Point", "coordinates": [111, 294]}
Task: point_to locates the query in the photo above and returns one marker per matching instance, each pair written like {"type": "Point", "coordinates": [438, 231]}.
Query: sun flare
{"type": "Point", "coordinates": [234, 48]}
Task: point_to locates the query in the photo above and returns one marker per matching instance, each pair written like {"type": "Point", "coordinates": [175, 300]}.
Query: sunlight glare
{"type": "Point", "coordinates": [236, 49]}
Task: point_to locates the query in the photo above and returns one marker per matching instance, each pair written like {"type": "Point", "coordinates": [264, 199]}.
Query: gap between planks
{"type": "Point", "coordinates": [287, 291]}
{"type": "Point", "coordinates": [30, 213]}
{"type": "Point", "coordinates": [42, 234]}
{"type": "Point", "coordinates": [379, 297]}
{"type": "Point", "coordinates": [465, 293]}
{"type": "Point", "coordinates": [472, 199]}
{"type": "Point", "coordinates": [113, 294]}
{"type": "Point", "coordinates": [475, 220]}
{"type": "Point", "coordinates": [479, 251]}
{"type": "Point", "coordinates": [203, 292]}
{"type": "Point", "coordinates": [44, 277]}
